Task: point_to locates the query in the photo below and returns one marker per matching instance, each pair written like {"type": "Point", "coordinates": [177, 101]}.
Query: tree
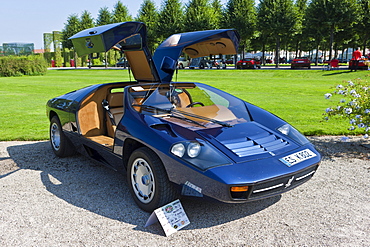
{"type": "Point", "coordinates": [331, 16]}
{"type": "Point", "coordinates": [57, 48]}
{"type": "Point", "coordinates": [218, 13]}
{"type": "Point", "coordinates": [70, 28]}
{"type": "Point", "coordinates": [86, 21]}
{"type": "Point", "coordinates": [171, 18]}
{"type": "Point", "coordinates": [199, 15]}
{"type": "Point", "coordinates": [241, 15]}
{"type": "Point", "coordinates": [121, 13]}
{"type": "Point", "coordinates": [301, 6]}
{"type": "Point", "coordinates": [104, 17]}
{"type": "Point", "coordinates": [48, 40]}
{"type": "Point", "coordinates": [363, 23]}
{"type": "Point", "coordinates": [277, 17]}
{"type": "Point", "coordinates": [149, 15]}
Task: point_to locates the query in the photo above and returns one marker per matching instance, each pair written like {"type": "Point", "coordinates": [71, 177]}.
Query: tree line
{"type": "Point", "coordinates": [266, 25]}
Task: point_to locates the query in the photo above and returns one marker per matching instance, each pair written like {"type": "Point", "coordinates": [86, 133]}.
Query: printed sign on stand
{"type": "Point", "coordinates": [172, 217]}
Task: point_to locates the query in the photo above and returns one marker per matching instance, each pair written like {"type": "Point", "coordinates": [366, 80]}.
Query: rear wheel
{"type": "Point", "coordinates": [60, 144]}
{"type": "Point", "coordinates": [148, 181]}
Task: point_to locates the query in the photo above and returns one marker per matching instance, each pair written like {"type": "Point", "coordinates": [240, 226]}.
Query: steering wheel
{"type": "Point", "coordinates": [194, 103]}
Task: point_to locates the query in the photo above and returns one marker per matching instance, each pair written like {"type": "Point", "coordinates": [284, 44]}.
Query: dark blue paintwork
{"type": "Point", "coordinates": [245, 153]}
{"type": "Point", "coordinates": [103, 38]}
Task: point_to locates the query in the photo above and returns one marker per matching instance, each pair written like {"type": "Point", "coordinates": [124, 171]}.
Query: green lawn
{"type": "Point", "coordinates": [297, 96]}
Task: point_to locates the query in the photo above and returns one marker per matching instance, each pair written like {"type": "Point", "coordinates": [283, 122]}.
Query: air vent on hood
{"type": "Point", "coordinates": [254, 145]}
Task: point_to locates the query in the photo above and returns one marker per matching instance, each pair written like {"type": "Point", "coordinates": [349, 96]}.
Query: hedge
{"type": "Point", "coordinates": [24, 65]}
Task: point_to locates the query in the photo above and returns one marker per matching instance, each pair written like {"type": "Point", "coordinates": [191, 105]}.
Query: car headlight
{"type": "Point", "coordinates": [178, 149]}
{"type": "Point", "coordinates": [199, 153]}
{"type": "Point", "coordinates": [294, 134]}
{"type": "Point", "coordinates": [194, 149]}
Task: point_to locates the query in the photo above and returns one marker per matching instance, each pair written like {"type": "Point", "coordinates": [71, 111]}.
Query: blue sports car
{"type": "Point", "coordinates": [176, 139]}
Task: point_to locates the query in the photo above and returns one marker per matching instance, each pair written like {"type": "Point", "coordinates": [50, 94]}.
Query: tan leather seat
{"type": "Point", "coordinates": [115, 101]}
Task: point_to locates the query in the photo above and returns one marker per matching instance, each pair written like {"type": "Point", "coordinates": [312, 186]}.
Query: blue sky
{"type": "Point", "coordinates": [25, 21]}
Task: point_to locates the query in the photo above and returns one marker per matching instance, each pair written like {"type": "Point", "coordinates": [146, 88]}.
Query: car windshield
{"type": "Point", "coordinates": [189, 104]}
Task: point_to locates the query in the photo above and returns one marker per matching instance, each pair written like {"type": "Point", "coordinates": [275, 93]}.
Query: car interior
{"type": "Point", "coordinates": [101, 111]}
{"type": "Point", "coordinates": [94, 120]}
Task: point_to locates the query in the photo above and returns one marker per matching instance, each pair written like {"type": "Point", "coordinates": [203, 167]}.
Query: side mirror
{"type": "Point", "coordinates": [168, 65]}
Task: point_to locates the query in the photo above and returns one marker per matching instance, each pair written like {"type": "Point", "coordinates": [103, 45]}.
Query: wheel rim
{"type": "Point", "coordinates": [55, 136]}
{"type": "Point", "coordinates": [142, 180]}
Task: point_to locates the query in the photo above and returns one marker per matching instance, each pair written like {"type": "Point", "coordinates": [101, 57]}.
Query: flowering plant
{"type": "Point", "coordinates": [354, 104]}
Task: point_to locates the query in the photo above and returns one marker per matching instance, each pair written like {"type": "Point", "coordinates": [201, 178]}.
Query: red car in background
{"type": "Point", "coordinates": [364, 63]}
{"type": "Point", "coordinates": [301, 62]}
{"type": "Point", "coordinates": [248, 63]}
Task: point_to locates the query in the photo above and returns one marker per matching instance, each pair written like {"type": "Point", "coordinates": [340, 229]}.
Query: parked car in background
{"type": "Point", "coordinates": [301, 62]}
{"type": "Point", "coordinates": [183, 62]}
{"type": "Point", "coordinates": [174, 139]}
{"type": "Point", "coordinates": [364, 63]}
{"type": "Point", "coordinates": [248, 63]}
{"type": "Point", "coordinates": [229, 61]}
{"type": "Point", "coordinates": [343, 60]}
{"type": "Point", "coordinates": [203, 62]}
{"type": "Point", "coordinates": [269, 60]}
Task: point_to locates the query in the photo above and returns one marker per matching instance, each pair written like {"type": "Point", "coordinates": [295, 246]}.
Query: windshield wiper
{"type": "Point", "coordinates": [175, 113]}
{"type": "Point", "coordinates": [186, 119]}
{"type": "Point", "coordinates": [202, 118]}
{"type": "Point", "coordinates": [172, 114]}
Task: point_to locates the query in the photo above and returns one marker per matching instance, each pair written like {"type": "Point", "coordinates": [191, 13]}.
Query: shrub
{"type": "Point", "coordinates": [24, 65]}
{"type": "Point", "coordinates": [354, 105]}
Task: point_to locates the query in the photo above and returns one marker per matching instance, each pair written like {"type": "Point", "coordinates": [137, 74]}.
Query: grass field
{"type": "Point", "coordinates": [297, 96]}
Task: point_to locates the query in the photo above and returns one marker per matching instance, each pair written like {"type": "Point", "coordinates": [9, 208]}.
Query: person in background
{"type": "Point", "coordinates": [356, 56]}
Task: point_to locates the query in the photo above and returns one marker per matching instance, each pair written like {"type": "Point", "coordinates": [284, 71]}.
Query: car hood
{"type": "Point", "coordinates": [242, 142]}
{"type": "Point", "coordinates": [248, 141]}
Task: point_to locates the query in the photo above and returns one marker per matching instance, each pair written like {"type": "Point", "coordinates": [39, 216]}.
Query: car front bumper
{"type": "Point", "coordinates": [207, 184]}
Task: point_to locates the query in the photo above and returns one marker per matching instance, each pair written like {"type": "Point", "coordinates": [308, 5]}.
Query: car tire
{"type": "Point", "coordinates": [201, 66]}
{"type": "Point", "coordinates": [181, 66]}
{"type": "Point", "coordinates": [148, 181]}
{"type": "Point", "coordinates": [61, 145]}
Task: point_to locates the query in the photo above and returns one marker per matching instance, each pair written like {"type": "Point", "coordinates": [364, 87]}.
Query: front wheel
{"type": "Point", "coordinates": [148, 181]}
{"type": "Point", "coordinates": [60, 144]}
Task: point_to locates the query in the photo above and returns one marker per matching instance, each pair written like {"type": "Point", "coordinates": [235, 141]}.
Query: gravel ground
{"type": "Point", "coordinates": [48, 201]}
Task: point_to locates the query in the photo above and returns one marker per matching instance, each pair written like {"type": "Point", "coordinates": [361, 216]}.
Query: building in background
{"type": "Point", "coordinates": [18, 49]}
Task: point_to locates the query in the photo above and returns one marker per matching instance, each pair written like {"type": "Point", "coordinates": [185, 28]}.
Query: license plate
{"type": "Point", "coordinates": [244, 63]}
{"type": "Point", "coordinates": [300, 61]}
{"type": "Point", "coordinates": [293, 159]}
